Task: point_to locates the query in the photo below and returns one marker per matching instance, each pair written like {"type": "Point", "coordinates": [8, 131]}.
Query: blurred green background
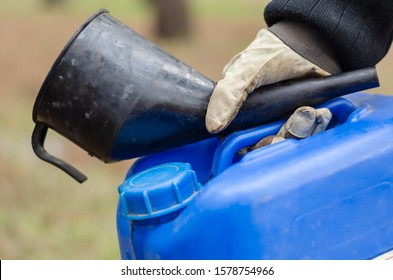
{"type": "Point", "coordinates": [44, 214]}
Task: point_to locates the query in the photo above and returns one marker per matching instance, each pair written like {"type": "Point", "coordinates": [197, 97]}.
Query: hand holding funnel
{"type": "Point", "coordinates": [119, 96]}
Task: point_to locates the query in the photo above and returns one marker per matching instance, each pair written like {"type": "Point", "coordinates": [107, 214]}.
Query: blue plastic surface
{"type": "Point", "coordinates": [158, 191]}
{"type": "Point", "coordinates": [329, 196]}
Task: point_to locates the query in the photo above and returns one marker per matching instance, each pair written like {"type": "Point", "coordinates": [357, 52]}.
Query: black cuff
{"type": "Point", "coordinates": [309, 43]}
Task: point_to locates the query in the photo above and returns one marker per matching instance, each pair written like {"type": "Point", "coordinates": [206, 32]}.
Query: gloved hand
{"type": "Point", "coordinates": [304, 122]}
{"type": "Point", "coordinates": [266, 60]}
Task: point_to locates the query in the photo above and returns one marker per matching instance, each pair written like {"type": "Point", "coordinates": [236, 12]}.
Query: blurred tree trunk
{"type": "Point", "coordinates": [53, 2]}
{"type": "Point", "coordinates": [172, 18]}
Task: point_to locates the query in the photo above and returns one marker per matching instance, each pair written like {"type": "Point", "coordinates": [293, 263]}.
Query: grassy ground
{"type": "Point", "coordinates": [43, 213]}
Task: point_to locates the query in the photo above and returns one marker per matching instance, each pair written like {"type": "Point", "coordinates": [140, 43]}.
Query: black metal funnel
{"type": "Point", "coordinates": [119, 96]}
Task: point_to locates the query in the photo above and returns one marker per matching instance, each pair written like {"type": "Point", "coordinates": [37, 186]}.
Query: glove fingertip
{"type": "Point", "coordinates": [213, 126]}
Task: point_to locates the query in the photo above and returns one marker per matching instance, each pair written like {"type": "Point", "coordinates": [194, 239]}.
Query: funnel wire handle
{"type": "Point", "coordinates": [38, 139]}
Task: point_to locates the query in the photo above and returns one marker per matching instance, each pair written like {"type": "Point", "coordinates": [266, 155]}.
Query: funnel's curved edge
{"type": "Point", "coordinates": [59, 58]}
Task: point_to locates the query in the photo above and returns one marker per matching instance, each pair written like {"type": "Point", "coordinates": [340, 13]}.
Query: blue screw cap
{"type": "Point", "coordinates": [158, 191]}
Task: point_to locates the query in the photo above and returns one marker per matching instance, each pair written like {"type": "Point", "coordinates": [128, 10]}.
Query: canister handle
{"type": "Point", "coordinates": [37, 141]}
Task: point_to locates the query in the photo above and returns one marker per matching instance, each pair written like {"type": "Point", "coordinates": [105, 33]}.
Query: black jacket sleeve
{"type": "Point", "coordinates": [360, 31]}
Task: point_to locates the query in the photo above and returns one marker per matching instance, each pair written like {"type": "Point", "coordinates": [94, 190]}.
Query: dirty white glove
{"type": "Point", "coordinates": [304, 122]}
{"type": "Point", "coordinates": [265, 61]}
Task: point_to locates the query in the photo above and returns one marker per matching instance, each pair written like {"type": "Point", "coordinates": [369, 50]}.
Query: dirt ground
{"type": "Point", "coordinates": [43, 213]}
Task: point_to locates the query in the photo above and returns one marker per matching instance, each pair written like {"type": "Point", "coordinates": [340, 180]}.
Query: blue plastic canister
{"type": "Point", "coordinates": [329, 196]}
